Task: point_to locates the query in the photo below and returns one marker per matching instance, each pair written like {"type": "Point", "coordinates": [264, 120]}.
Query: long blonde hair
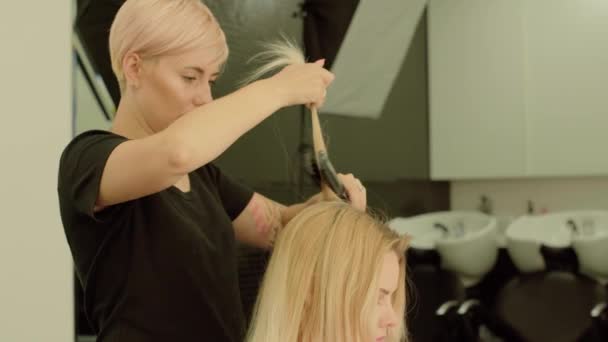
{"type": "Point", "coordinates": [153, 28]}
{"type": "Point", "coordinates": [321, 281]}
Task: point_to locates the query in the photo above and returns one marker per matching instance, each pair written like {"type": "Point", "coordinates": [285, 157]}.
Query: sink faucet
{"type": "Point", "coordinates": [573, 226]}
{"type": "Point", "coordinates": [456, 231]}
{"type": "Point", "coordinates": [460, 229]}
{"type": "Point", "coordinates": [441, 227]}
{"type": "Point", "coordinates": [588, 226]}
{"type": "Point", "coordinates": [486, 205]}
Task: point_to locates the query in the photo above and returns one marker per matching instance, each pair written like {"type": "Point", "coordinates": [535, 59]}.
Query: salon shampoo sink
{"type": "Point", "coordinates": [466, 241]}
{"type": "Point", "coordinates": [586, 232]}
{"type": "Point", "coordinates": [525, 236]}
{"type": "Point", "coordinates": [590, 242]}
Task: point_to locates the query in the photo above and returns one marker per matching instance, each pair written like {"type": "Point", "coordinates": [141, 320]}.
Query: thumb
{"type": "Point", "coordinates": [320, 62]}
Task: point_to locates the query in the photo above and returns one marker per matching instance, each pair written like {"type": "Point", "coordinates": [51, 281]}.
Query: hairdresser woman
{"type": "Point", "coordinates": [151, 222]}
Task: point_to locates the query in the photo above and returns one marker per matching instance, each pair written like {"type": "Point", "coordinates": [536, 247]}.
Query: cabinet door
{"type": "Point", "coordinates": [476, 72]}
{"type": "Point", "coordinates": [566, 44]}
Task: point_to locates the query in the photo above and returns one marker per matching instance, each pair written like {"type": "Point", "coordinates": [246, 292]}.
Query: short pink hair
{"type": "Point", "coordinates": [153, 28]}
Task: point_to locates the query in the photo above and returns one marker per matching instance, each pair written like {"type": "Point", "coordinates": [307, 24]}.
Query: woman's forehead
{"type": "Point", "coordinates": [389, 273]}
{"type": "Point", "coordinates": [199, 60]}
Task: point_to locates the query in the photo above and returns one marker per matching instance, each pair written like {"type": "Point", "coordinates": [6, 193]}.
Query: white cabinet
{"type": "Point", "coordinates": [516, 88]}
{"type": "Point", "coordinates": [476, 98]}
{"type": "Point", "coordinates": [566, 87]}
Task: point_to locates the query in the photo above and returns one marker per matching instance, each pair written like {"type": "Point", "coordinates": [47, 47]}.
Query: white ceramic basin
{"type": "Point", "coordinates": [585, 231]}
{"type": "Point", "coordinates": [466, 241]}
{"type": "Point", "coordinates": [590, 242]}
{"type": "Point", "coordinates": [527, 233]}
{"type": "Point", "coordinates": [419, 228]}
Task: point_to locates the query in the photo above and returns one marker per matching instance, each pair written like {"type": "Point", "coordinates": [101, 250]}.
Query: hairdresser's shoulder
{"type": "Point", "coordinates": [91, 138]}
{"type": "Point", "coordinates": [92, 142]}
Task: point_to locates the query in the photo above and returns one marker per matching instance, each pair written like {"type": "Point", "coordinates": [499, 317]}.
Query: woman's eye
{"type": "Point", "coordinates": [189, 79]}
{"type": "Point", "coordinates": [212, 82]}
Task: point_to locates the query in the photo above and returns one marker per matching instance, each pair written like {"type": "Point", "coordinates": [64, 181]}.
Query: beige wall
{"type": "Point", "coordinates": [36, 300]}
{"type": "Point", "coordinates": [509, 197]}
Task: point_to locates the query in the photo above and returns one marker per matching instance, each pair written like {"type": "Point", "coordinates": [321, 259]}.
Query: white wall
{"type": "Point", "coordinates": [36, 295]}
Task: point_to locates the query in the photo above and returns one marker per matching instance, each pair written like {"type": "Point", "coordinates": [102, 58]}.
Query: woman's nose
{"type": "Point", "coordinates": [203, 96]}
{"type": "Point", "coordinates": [390, 318]}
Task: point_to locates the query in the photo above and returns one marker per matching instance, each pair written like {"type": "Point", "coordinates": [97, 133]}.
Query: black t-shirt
{"type": "Point", "coordinates": [159, 268]}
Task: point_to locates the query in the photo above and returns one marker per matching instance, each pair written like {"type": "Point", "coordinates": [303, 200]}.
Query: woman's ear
{"type": "Point", "coordinates": [132, 66]}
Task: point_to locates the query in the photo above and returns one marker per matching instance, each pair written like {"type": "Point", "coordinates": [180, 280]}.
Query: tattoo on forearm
{"type": "Point", "coordinates": [267, 218]}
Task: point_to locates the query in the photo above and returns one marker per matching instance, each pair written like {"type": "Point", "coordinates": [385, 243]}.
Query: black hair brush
{"type": "Point", "coordinates": [322, 169]}
{"type": "Point", "coordinates": [322, 172]}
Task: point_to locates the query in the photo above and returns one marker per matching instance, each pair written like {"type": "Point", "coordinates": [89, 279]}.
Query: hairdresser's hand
{"type": "Point", "coordinates": [302, 84]}
{"type": "Point", "coordinates": [357, 195]}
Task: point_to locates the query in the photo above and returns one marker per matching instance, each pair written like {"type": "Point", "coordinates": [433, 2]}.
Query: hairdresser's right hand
{"type": "Point", "coordinates": [302, 84]}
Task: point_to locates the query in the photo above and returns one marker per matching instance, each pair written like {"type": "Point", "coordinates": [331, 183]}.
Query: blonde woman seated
{"type": "Point", "coordinates": [336, 274]}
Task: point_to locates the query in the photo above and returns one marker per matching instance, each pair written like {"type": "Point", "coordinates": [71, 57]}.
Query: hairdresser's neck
{"type": "Point", "coordinates": [129, 120]}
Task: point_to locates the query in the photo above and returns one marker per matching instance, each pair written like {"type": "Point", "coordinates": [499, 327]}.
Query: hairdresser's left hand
{"type": "Point", "coordinates": [357, 194]}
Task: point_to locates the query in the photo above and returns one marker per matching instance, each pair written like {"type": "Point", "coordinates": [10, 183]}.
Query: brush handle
{"type": "Point", "coordinates": [319, 146]}
{"type": "Point", "coordinates": [317, 134]}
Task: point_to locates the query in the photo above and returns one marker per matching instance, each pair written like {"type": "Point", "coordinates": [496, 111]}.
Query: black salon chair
{"type": "Point", "coordinates": [431, 288]}
{"type": "Point", "coordinates": [553, 305]}
{"type": "Point", "coordinates": [599, 315]}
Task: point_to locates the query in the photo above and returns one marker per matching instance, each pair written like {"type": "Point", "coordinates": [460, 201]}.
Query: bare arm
{"type": "Point", "coordinates": [262, 218]}
{"type": "Point", "coordinates": [145, 166]}
{"type": "Point", "coordinates": [137, 168]}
